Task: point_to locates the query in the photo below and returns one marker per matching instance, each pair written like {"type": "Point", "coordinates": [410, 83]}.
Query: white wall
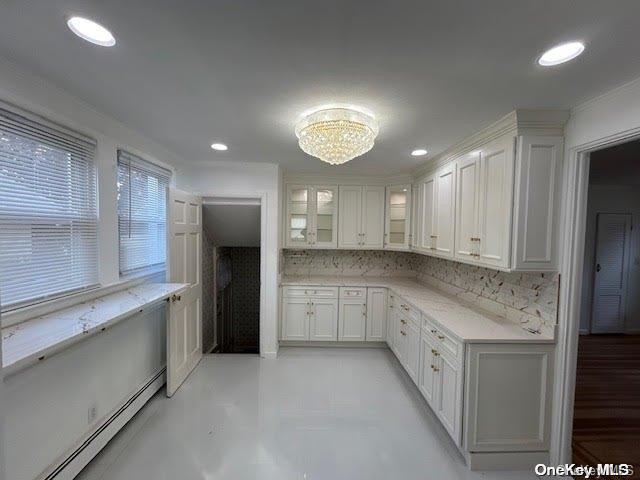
{"type": "Point", "coordinates": [612, 199]}
{"type": "Point", "coordinates": [46, 406]}
{"type": "Point", "coordinates": [247, 180]}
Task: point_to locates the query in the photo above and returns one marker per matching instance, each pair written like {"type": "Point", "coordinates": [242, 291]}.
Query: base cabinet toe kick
{"type": "Point", "coordinates": [493, 399]}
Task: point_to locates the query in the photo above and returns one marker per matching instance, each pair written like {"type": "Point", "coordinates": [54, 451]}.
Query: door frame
{"type": "Point", "coordinates": [572, 245]}
{"type": "Point", "coordinates": [257, 199]}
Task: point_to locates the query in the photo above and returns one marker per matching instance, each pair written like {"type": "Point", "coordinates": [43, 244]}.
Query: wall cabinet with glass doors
{"type": "Point", "coordinates": [398, 217]}
{"type": "Point", "coordinates": [311, 218]}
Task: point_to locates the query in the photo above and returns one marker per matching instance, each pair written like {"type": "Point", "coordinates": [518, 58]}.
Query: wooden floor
{"type": "Point", "coordinates": [606, 426]}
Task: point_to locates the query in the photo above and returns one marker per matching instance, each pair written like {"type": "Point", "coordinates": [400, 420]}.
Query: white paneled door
{"type": "Point", "coordinates": [611, 273]}
{"type": "Point", "coordinates": [184, 336]}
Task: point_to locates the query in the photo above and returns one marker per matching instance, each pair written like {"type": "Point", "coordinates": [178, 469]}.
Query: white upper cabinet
{"type": "Point", "coordinates": [416, 216]}
{"type": "Point", "coordinates": [428, 214]}
{"type": "Point", "coordinates": [361, 217]}
{"type": "Point", "coordinates": [311, 218]}
{"type": "Point", "coordinates": [398, 217]}
{"type": "Point", "coordinates": [468, 182]}
{"type": "Point", "coordinates": [444, 221]}
{"type": "Point", "coordinates": [496, 203]}
{"type": "Point", "coordinates": [537, 202]}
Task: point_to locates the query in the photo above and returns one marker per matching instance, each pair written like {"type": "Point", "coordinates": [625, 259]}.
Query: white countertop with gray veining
{"type": "Point", "coordinates": [465, 321]}
{"type": "Point", "coordinates": [33, 340]}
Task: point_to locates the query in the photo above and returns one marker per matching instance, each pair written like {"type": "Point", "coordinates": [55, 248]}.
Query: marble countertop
{"type": "Point", "coordinates": [33, 340]}
{"type": "Point", "coordinates": [465, 321]}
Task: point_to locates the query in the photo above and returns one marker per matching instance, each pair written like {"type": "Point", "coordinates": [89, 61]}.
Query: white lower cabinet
{"type": "Point", "coordinates": [391, 308]}
{"type": "Point", "coordinates": [427, 374]}
{"type": "Point", "coordinates": [448, 394]}
{"type": "Point", "coordinates": [412, 350]}
{"type": "Point", "coordinates": [295, 318]}
{"type": "Point", "coordinates": [376, 314]}
{"type": "Point", "coordinates": [323, 320]}
{"type": "Point", "coordinates": [353, 320]}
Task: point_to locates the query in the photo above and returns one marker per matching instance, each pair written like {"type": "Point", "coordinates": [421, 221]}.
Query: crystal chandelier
{"type": "Point", "coordinates": [337, 135]}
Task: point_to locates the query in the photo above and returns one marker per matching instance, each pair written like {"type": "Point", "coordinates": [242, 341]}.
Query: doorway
{"type": "Point", "coordinates": [231, 275]}
{"type": "Point", "coordinates": [606, 417]}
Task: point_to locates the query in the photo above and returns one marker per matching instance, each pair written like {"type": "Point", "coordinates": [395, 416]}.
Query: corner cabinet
{"type": "Point", "coordinates": [361, 217]}
{"type": "Point", "coordinates": [311, 216]}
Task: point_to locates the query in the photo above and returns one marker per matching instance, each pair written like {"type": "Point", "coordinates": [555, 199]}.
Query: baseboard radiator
{"type": "Point", "coordinates": [72, 463]}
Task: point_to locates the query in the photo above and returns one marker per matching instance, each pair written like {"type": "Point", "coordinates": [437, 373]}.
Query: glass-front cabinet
{"type": "Point", "coordinates": [398, 217]}
{"type": "Point", "coordinates": [312, 216]}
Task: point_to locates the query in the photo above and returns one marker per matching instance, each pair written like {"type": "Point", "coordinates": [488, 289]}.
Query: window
{"type": "Point", "coordinates": [142, 213]}
{"type": "Point", "coordinates": [48, 212]}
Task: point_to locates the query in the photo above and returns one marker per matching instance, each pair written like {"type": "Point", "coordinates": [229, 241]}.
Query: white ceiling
{"type": "Point", "coordinates": [232, 225]}
{"type": "Point", "coordinates": [192, 72]}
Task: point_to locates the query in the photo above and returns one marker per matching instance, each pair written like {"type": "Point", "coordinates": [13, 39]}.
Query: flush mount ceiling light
{"type": "Point", "coordinates": [220, 147]}
{"type": "Point", "coordinates": [337, 135]}
{"type": "Point", "coordinates": [561, 53]}
{"type": "Point", "coordinates": [91, 31]}
{"type": "Point", "coordinates": [419, 152]}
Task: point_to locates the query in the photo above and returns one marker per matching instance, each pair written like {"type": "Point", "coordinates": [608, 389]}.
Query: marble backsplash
{"type": "Point", "coordinates": [526, 298]}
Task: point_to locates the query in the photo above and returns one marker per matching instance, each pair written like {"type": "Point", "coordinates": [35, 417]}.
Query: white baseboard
{"type": "Point", "coordinates": [269, 355]}
{"type": "Point", "coordinates": [71, 464]}
{"type": "Point", "coordinates": [296, 343]}
{"type": "Point", "coordinates": [506, 460]}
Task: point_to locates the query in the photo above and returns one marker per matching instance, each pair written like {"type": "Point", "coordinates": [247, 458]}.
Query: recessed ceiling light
{"type": "Point", "coordinates": [221, 147]}
{"type": "Point", "coordinates": [91, 31]}
{"type": "Point", "coordinates": [561, 53]}
{"type": "Point", "coordinates": [419, 152]}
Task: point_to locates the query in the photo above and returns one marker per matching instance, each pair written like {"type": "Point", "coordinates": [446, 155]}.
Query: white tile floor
{"type": "Point", "coordinates": [313, 413]}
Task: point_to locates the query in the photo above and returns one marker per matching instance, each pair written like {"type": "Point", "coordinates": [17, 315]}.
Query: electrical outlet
{"type": "Point", "coordinates": [92, 415]}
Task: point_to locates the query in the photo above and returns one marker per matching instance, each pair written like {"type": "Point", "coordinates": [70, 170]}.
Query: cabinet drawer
{"type": "Point", "coordinates": [408, 311]}
{"type": "Point", "coordinates": [445, 341]}
{"type": "Point", "coordinates": [353, 292]}
{"type": "Point", "coordinates": [315, 292]}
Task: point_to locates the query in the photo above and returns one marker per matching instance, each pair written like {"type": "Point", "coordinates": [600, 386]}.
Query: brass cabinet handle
{"type": "Point", "coordinates": [403, 321]}
{"type": "Point", "coordinates": [176, 298]}
{"type": "Point", "coordinates": [434, 331]}
{"type": "Point", "coordinates": [433, 236]}
{"type": "Point", "coordinates": [403, 333]}
{"type": "Point", "coordinates": [441, 337]}
{"type": "Point", "coordinates": [436, 369]}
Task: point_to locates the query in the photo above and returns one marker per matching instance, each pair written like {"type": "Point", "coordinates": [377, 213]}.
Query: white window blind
{"type": "Point", "coordinates": [142, 213]}
{"type": "Point", "coordinates": [48, 213]}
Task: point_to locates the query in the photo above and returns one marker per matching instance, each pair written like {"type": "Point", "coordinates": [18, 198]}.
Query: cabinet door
{"type": "Point", "coordinates": [399, 337]}
{"type": "Point", "coordinates": [353, 320]}
{"type": "Point", "coordinates": [416, 215]}
{"type": "Point", "coordinates": [496, 200]}
{"type": "Point", "coordinates": [448, 405]}
{"type": "Point", "coordinates": [391, 319]}
{"type": "Point", "coordinates": [428, 214]}
{"type": "Point", "coordinates": [295, 319]}
{"type": "Point", "coordinates": [349, 217]}
{"type": "Point", "coordinates": [373, 216]}
{"type": "Point", "coordinates": [426, 375]}
{"type": "Point", "coordinates": [445, 210]}
{"type": "Point", "coordinates": [325, 217]}
{"type": "Point", "coordinates": [298, 216]}
{"type": "Point", "coordinates": [466, 235]}
{"type": "Point", "coordinates": [323, 322]}
{"type": "Point", "coordinates": [376, 314]}
{"type": "Point", "coordinates": [397, 217]}
{"type": "Point", "coordinates": [412, 349]}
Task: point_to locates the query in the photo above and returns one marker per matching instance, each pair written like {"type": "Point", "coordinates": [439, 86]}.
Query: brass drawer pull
{"type": "Point", "coordinates": [441, 337]}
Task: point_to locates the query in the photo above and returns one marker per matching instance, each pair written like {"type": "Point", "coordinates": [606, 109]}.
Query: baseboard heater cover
{"type": "Point", "coordinates": [75, 461]}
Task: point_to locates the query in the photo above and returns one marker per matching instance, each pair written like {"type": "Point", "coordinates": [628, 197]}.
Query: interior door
{"type": "Point", "coordinates": [373, 216]}
{"type": "Point", "coordinates": [184, 338]}
{"type": "Point", "coordinates": [611, 272]}
{"type": "Point", "coordinates": [349, 216]}
{"type": "Point", "coordinates": [467, 207]}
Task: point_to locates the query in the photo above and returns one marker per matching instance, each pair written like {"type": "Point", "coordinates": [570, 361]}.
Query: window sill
{"type": "Point", "coordinates": [34, 340]}
{"type": "Point", "coordinates": [29, 312]}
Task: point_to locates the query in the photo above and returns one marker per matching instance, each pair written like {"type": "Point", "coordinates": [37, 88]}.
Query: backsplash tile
{"type": "Point", "coordinates": [526, 298]}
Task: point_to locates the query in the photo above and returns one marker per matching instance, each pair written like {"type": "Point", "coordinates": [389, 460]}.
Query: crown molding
{"type": "Point", "coordinates": [517, 122]}
{"type": "Point", "coordinates": [322, 179]}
